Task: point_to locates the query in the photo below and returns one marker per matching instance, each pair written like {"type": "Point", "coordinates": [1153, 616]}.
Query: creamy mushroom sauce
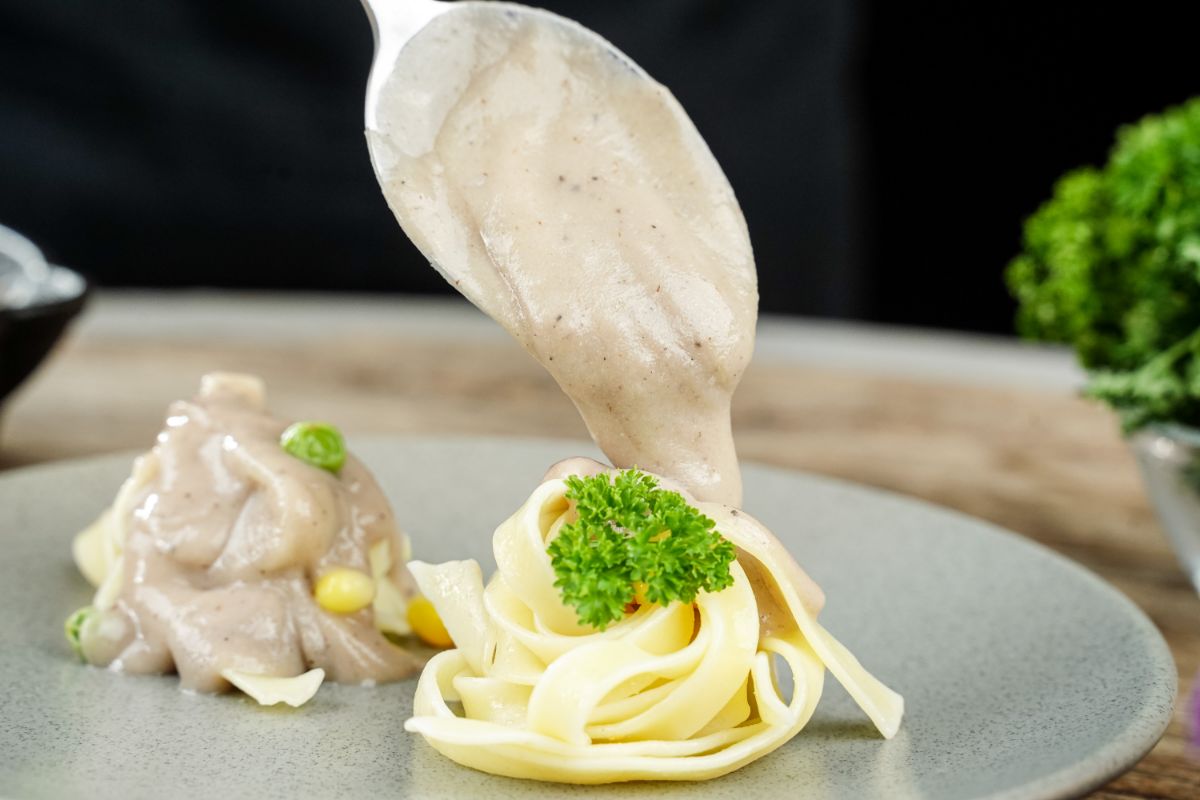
{"type": "Point", "coordinates": [570, 197]}
{"type": "Point", "coordinates": [222, 534]}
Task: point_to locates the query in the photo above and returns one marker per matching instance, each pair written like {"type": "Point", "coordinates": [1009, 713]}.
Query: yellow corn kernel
{"type": "Point", "coordinates": [344, 590]}
{"type": "Point", "coordinates": [427, 625]}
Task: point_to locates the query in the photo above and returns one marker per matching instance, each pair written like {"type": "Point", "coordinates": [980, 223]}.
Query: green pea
{"type": "Point", "coordinates": [318, 443]}
{"type": "Point", "coordinates": [74, 628]}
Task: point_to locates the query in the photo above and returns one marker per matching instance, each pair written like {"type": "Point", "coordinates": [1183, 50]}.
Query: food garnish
{"type": "Point", "coordinates": [73, 628]}
{"type": "Point", "coordinates": [1110, 264]}
{"type": "Point", "coordinates": [634, 541]}
{"type": "Point", "coordinates": [318, 443]}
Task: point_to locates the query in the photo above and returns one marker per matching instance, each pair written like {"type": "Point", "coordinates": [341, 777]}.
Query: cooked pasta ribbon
{"type": "Point", "coordinates": [686, 691]}
{"type": "Point", "coordinates": [269, 690]}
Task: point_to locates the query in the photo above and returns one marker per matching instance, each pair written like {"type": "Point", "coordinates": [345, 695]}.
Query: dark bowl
{"type": "Point", "coordinates": [28, 333]}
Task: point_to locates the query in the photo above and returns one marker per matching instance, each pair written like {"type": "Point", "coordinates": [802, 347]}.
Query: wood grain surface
{"type": "Point", "coordinates": [1040, 462]}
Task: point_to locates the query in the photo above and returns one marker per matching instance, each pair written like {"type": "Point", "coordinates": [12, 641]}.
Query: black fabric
{"type": "Point", "coordinates": [973, 110]}
{"type": "Point", "coordinates": [884, 153]}
{"type": "Point", "coordinates": [196, 142]}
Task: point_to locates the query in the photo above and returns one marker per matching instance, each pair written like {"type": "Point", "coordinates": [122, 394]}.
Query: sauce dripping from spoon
{"type": "Point", "coordinates": [568, 195]}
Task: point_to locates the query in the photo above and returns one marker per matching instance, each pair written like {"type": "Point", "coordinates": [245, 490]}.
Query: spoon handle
{"type": "Point", "coordinates": [393, 23]}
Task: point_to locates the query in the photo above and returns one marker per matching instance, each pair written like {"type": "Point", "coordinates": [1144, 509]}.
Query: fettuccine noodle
{"type": "Point", "coordinates": [681, 692]}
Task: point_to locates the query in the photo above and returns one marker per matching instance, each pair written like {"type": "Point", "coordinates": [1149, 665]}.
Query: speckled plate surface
{"type": "Point", "coordinates": [1025, 675]}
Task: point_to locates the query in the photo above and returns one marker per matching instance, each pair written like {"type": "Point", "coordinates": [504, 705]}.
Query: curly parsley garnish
{"type": "Point", "coordinates": [1110, 266]}
{"type": "Point", "coordinates": [633, 539]}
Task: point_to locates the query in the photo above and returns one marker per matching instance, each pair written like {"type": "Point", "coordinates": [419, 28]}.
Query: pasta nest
{"type": "Point", "coordinates": [686, 691]}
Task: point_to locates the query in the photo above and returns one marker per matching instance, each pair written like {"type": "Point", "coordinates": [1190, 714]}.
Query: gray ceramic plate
{"type": "Point", "coordinates": [1025, 675]}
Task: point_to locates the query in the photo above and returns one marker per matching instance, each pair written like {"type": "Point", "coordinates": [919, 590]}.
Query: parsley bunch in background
{"type": "Point", "coordinates": [1111, 266]}
{"type": "Point", "coordinates": [631, 535]}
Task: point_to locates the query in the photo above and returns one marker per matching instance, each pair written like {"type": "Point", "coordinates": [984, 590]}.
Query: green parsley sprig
{"type": "Point", "coordinates": [1111, 266]}
{"type": "Point", "coordinates": [633, 535]}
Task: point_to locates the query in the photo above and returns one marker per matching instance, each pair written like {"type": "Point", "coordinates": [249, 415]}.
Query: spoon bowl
{"type": "Point", "coordinates": [394, 23]}
{"type": "Point", "coordinates": [428, 56]}
{"type": "Point", "coordinates": [569, 196]}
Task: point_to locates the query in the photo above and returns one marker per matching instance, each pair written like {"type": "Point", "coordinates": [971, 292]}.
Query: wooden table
{"type": "Point", "coordinates": [987, 426]}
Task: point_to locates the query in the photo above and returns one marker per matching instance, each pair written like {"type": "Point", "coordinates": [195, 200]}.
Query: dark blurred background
{"type": "Point", "coordinates": [884, 153]}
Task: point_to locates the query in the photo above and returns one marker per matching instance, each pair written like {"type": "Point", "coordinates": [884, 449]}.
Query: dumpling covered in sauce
{"type": "Point", "coordinates": [231, 561]}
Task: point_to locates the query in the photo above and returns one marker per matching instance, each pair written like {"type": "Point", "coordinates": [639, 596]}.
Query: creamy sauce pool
{"type": "Point", "coordinates": [571, 198]}
{"type": "Point", "coordinates": [223, 535]}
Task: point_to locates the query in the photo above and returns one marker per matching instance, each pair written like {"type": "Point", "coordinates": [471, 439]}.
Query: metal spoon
{"type": "Point", "coordinates": [413, 84]}
{"type": "Point", "coordinates": [395, 22]}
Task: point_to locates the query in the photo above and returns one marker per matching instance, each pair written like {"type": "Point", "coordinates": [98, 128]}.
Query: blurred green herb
{"type": "Point", "coordinates": [1111, 266]}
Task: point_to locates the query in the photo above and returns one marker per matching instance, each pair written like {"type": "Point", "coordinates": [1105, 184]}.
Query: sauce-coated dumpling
{"type": "Point", "coordinates": [206, 562]}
